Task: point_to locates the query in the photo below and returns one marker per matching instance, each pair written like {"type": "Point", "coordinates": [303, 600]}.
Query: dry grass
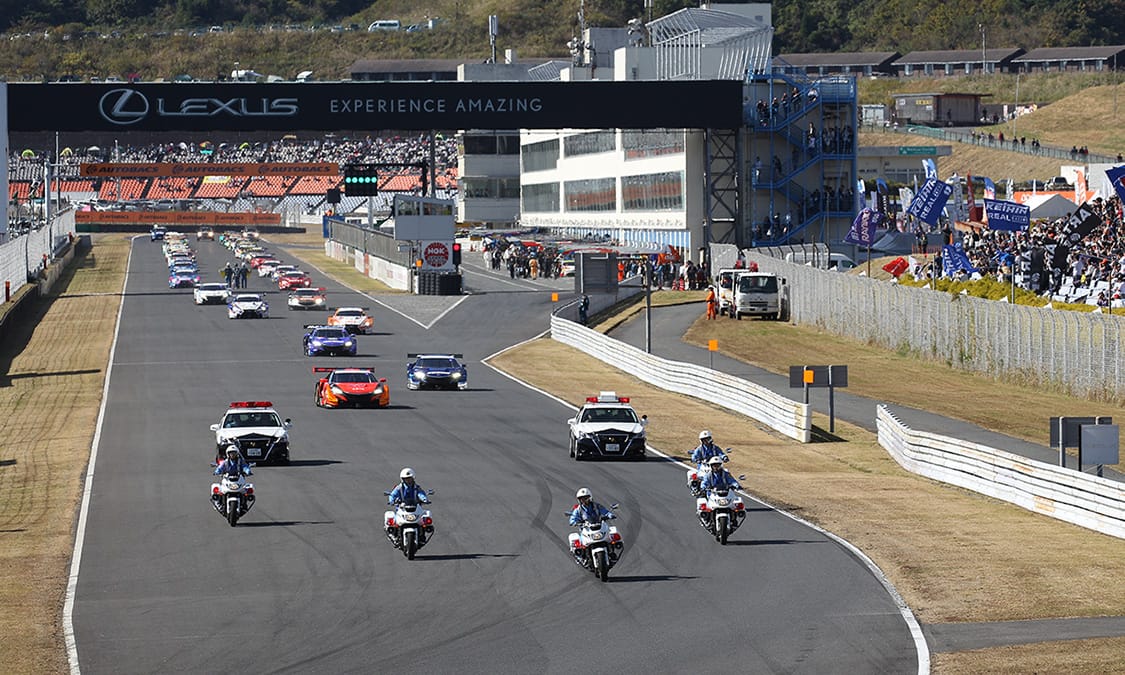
{"type": "Point", "coordinates": [49, 398]}
{"type": "Point", "coordinates": [1100, 656]}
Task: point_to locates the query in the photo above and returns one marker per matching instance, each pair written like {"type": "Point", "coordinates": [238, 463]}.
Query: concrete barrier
{"type": "Point", "coordinates": [1072, 496]}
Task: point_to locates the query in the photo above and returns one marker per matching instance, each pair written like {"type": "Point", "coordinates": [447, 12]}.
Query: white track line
{"type": "Point", "coordinates": [920, 646]}
{"type": "Point", "coordinates": [80, 534]}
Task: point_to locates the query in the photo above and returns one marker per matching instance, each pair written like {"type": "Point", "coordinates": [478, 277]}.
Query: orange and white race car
{"type": "Point", "coordinates": [355, 387]}
{"type": "Point", "coordinates": [354, 319]}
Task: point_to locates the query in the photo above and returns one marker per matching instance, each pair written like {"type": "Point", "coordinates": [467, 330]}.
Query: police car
{"type": "Point", "coordinates": [257, 430]}
{"type": "Point", "coordinates": [605, 427]}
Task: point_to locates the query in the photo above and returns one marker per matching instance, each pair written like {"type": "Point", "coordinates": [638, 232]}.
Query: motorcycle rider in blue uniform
{"type": "Point", "coordinates": [701, 457]}
{"type": "Point", "coordinates": [409, 493]}
{"type": "Point", "coordinates": [233, 464]}
{"type": "Point", "coordinates": [718, 478]}
{"type": "Point", "coordinates": [587, 510]}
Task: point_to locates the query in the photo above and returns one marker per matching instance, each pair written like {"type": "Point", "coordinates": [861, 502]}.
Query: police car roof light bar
{"type": "Point", "coordinates": [251, 404]}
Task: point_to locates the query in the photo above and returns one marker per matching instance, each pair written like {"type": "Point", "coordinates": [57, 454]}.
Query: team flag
{"type": "Point", "coordinates": [896, 267]}
{"type": "Point", "coordinates": [989, 189]}
{"type": "Point", "coordinates": [953, 258]}
{"type": "Point", "coordinates": [1116, 176]}
{"type": "Point", "coordinates": [930, 168]}
{"type": "Point", "coordinates": [929, 200]}
{"type": "Point", "coordinates": [863, 227]}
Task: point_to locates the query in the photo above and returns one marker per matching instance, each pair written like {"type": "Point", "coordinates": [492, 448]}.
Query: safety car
{"type": "Point", "coordinates": [353, 319]}
{"type": "Point", "coordinates": [331, 340]}
{"type": "Point", "coordinates": [358, 387]}
{"type": "Point", "coordinates": [204, 233]}
{"type": "Point", "coordinates": [211, 292]}
{"type": "Point", "coordinates": [183, 277]}
{"type": "Point", "coordinates": [157, 233]}
{"type": "Point", "coordinates": [436, 371]}
{"type": "Point", "coordinates": [292, 280]}
{"type": "Point", "coordinates": [248, 306]}
{"type": "Point", "coordinates": [307, 298]}
{"type": "Point", "coordinates": [257, 430]}
{"type": "Point", "coordinates": [605, 427]}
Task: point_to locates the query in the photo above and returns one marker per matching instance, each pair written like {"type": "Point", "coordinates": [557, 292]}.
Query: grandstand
{"type": "Point", "coordinates": [27, 171]}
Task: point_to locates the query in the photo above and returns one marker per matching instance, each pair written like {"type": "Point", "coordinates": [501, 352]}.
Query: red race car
{"type": "Point", "coordinates": [355, 387]}
{"type": "Point", "coordinates": [257, 260]}
{"type": "Point", "coordinates": [291, 280]}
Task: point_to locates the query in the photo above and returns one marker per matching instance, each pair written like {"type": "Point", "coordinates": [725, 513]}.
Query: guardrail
{"type": "Point", "coordinates": [1078, 498]}
{"type": "Point", "coordinates": [788, 417]}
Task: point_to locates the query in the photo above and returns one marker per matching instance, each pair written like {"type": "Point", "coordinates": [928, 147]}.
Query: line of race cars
{"type": "Point", "coordinates": [254, 426]}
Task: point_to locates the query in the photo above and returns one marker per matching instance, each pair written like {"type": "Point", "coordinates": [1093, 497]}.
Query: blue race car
{"type": "Point", "coordinates": [183, 278]}
{"type": "Point", "coordinates": [331, 340]}
{"type": "Point", "coordinates": [436, 371]}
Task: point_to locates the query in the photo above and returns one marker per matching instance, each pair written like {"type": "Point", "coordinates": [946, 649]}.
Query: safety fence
{"type": "Point", "coordinates": [22, 259]}
{"type": "Point", "coordinates": [1082, 353]}
{"type": "Point", "coordinates": [788, 417]}
{"type": "Point", "coordinates": [1075, 497]}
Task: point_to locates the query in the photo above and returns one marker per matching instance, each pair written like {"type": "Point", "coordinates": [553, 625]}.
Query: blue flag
{"type": "Point", "coordinates": [929, 200]}
{"type": "Point", "coordinates": [863, 228]}
{"type": "Point", "coordinates": [930, 168]}
{"type": "Point", "coordinates": [1116, 176]}
{"type": "Point", "coordinates": [1007, 215]}
{"type": "Point", "coordinates": [953, 258]}
{"type": "Point", "coordinates": [989, 188]}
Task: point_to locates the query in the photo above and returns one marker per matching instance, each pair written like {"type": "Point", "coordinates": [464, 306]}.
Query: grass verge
{"type": "Point", "coordinates": [308, 247]}
{"type": "Point", "coordinates": [50, 391]}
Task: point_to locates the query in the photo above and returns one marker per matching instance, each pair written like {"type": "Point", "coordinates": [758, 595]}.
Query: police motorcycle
{"type": "Point", "coordinates": [596, 546]}
{"type": "Point", "coordinates": [409, 526]}
{"type": "Point", "coordinates": [720, 512]}
{"type": "Point", "coordinates": [232, 496]}
{"type": "Point", "coordinates": [696, 475]}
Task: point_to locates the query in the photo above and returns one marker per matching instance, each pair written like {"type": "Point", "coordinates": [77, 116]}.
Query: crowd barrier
{"type": "Point", "coordinates": [24, 258]}
{"type": "Point", "coordinates": [1075, 497]}
{"type": "Point", "coordinates": [773, 410]}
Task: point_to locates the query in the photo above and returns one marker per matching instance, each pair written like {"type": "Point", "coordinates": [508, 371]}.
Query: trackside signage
{"type": "Point", "coordinates": [331, 106]}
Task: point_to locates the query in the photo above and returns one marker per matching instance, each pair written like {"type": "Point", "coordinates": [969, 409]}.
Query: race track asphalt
{"type": "Point", "coordinates": [307, 582]}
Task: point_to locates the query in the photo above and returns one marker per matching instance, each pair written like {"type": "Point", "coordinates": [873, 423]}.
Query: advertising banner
{"type": "Point", "coordinates": [335, 106]}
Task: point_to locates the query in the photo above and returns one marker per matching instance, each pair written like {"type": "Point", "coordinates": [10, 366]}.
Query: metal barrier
{"type": "Point", "coordinates": [1088, 501]}
{"type": "Point", "coordinates": [1080, 352]}
{"type": "Point", "coordinates": [23, 258]}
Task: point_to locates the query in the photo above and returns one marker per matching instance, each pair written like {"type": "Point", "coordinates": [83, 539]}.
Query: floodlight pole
{"type": "Point", "coordinates": [648, 306]}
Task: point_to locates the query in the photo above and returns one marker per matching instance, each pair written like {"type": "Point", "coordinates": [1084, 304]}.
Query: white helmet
{"type": "Point", "coordinates": [582, 492]}
{"type": "Point", "coordinates": [233, 449]}
{"type": "Point", "coordinates": [704, 434]}
{"type": "Point", "coordinates": [715, 461]}
{"type": "Point", "coordinates": [406, 473]}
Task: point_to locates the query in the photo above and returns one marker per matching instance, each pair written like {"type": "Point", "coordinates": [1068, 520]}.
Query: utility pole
{"type": "Point", "coordinates": [983, 58]}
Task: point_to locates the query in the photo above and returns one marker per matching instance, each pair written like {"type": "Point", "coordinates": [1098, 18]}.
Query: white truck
{"type": "Point", "coordinates": [758, 294]}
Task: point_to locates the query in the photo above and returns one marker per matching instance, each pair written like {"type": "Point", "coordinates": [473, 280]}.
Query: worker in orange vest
{"type": "Point", "coordinates": [712, 303]}
{"type": "Point", "coordinates": [620, 271]}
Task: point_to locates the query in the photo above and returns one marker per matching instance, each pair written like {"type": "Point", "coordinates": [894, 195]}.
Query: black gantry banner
{"type": "Point", "coordinates": [327, 106]}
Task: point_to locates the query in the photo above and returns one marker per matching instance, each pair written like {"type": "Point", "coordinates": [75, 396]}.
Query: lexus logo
{"type": "Point", "coordinates": [123, 106]}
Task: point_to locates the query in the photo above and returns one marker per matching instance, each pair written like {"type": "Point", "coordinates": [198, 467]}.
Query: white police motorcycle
{"type": "Point", "coordinates": [409, 526]}
{"type": "Point", "coordinates": [720, 512]}
{"type": "Point", "coordinates": [596, 546]}
{"type": "Point", "coordinates": [232, 496]}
